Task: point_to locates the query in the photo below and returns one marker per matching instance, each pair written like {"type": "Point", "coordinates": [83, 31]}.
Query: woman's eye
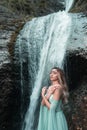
{"type": "Point", "coordinates": [53, 73]}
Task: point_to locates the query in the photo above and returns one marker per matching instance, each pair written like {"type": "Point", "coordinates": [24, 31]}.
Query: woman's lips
{"type": "Point", "coordinates": [51, 77]}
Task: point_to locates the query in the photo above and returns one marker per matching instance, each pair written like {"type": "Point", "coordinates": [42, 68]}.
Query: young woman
{"type": "Point", "coordinates": [51, 114]}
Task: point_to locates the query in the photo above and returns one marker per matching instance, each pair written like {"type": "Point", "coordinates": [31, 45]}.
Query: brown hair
{"type": "Point", "coordinates": [62, 82]}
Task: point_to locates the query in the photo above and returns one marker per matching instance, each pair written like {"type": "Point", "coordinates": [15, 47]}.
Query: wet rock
{"type": "Point", "coordinates": [9, 99]}
{"type": "Point", "coordinates": [79, 6]}
{"type": "Point", "coordinates": [33, 7]}
{"type": "Point", "coordinates": [10, 117]}
{"type": "Point", "coordinates": [76, 62]}
{"type": "Point", "coordinates": [79, 107]}
{"type": "Point", "coordinates": [76, 73]}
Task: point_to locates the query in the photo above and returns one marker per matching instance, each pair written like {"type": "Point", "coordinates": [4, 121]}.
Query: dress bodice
{"type": "Point", "coordinates": [58, 103]}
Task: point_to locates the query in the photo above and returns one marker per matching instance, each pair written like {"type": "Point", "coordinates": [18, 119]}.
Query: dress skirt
{"type": "Point", "coordinates": [53, 118]}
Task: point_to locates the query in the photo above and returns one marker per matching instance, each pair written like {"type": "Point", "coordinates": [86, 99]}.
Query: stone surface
{"type": "Point", "coordinates": [75, 66]}
{"type": "Point", "coordinates": [34, 7]}
{"type": "Point", "coordinates": [76, 73]}
{"type": "Point", "coordinates": [79, 6]}
{"type": "Point", "coordinates": [10, 117]}
{"type": "Point", "coordinates": [79, 107]}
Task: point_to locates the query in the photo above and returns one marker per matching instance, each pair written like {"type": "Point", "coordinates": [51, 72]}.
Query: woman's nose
{"type": "Point", "coordinates": [51, 75]}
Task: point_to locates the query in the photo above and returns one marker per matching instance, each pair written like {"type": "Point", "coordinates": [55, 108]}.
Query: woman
{"type": "Point", "coordinates": [51, 114]}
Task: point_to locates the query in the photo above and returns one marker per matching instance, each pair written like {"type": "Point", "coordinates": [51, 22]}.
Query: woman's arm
{"type": "Point", "coordinates": [46, 102]}
{"type": "Point", "coordinates": [56, 97]}
{"type": "Point", "coordinates": [57, 93]}
{"type": "Point", "coordinates": [43, 102]}
{"type": "Point", "coordinates": [48, 94]}
{"type": "Point", "coordinates": [43, 91]}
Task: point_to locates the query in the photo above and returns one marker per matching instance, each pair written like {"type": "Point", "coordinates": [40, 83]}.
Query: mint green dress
{"type": "Point", "coordinates": [53, 118]}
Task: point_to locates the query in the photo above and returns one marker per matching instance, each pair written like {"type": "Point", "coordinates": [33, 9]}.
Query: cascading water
{"type": "Point", "coordinates": [69, 4]}
{"type": "Point", "coordinates": [46, 41]}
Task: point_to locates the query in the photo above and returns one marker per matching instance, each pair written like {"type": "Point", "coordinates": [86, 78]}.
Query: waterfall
{"type": "Point", "coordinates": [45, 40]}
{"type": "Point", "coordinates": [69, 4]}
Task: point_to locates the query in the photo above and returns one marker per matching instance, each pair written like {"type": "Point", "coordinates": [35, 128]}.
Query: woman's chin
{"type": "Point", "coordinates": [51, 79]}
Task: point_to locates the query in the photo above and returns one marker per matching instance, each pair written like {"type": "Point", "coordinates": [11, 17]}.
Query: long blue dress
{"type": "Point", "coordinates": [53, 118]}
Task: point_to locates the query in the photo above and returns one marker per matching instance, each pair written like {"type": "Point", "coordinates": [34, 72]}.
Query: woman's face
{"type": "Point", "coordinates": [54, 75]}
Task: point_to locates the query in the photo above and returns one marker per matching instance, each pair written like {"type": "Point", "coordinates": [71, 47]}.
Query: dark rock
{"type": "Point", "coordinates": [76, 75]}
{"type": "Point", "coordinates": [75, 65]}
{"type": "Point", "coordinates": [78, 99]}
{"type": "Point", "coordinates": [79, 6]}
{"type": "Point", "coordinates": [9, 99]}
{"type": "Point", "coordinates": [35, 8]}
{"type": "Point", "coordinates": [10, 93]}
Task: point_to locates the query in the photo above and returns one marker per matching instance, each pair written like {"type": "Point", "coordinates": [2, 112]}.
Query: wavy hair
{"type": "Point", "coordinates": [62, 82]}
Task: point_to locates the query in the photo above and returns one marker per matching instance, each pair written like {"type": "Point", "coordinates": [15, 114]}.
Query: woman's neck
{"type": "Point", "coordinates": [55, 82]}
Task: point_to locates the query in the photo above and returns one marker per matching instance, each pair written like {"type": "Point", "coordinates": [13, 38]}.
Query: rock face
{"type": "Point", "coordinates": [9, 91]}
{"type": "Point", "coordinates": [76, 75]}
{"type": "Point", "coordinates": [9, 100]}
{"type": "Point", "coordinates": [79, 6]}
{"type": "Point", "coordinates": [79, 107]}
{"type": "Point", "coordinates": [42, 7]}
{"type": "Point", "coordinates": [76, 62]}
{"type": "Point", "coordinates": [34, 7]}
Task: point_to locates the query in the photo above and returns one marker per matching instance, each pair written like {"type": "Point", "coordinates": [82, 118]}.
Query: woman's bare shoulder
{"type": "Point", "coordinates": [59, 87]}
{"type": "Point", "coordinates": [57, 93]}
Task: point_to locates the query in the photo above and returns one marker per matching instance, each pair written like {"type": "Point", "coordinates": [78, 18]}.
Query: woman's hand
{"type": "Point", "coordinates": [48, 92]}
{"type": "Point", "coordinates": [43, 91]}
{"type": "Point", "coordinates": [51, 90]}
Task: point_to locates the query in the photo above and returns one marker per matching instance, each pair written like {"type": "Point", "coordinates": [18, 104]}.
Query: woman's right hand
{"type": "Point", "coordinates": [51, 90]}
{"type": "Point", "coordinates": [43, 91]}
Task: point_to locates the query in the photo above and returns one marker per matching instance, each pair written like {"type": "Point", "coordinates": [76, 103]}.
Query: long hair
{"type": "Point", "coordinates": [62, 82]}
